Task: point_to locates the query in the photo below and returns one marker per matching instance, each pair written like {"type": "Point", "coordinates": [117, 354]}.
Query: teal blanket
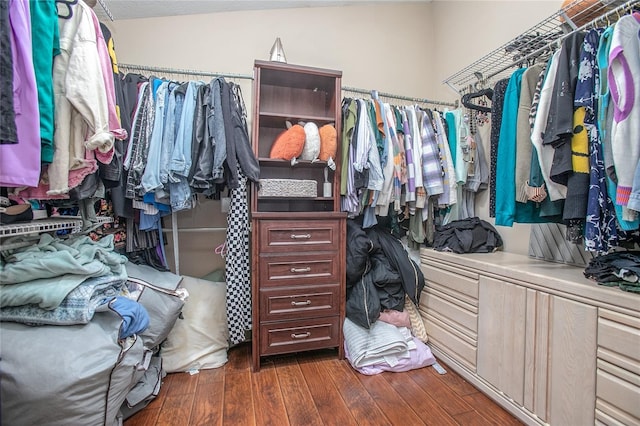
{"type": "Point", "coordinates": [44, 273]}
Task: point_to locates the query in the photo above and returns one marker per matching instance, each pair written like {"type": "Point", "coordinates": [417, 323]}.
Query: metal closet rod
{"type": "Point", "coordinates": [178, 71]}
{"type": "Point", "coordinates": [604, 17]}
{"type": "Point", "coordinates": [399, 97]}
{"type": "Point", "coordinates": [152, 69]}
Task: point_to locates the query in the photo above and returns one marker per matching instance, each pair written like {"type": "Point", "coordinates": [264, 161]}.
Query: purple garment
{"type": "Point", "coordinates": [20, 163]}
{"type": "Point", "coordinates": [8, 132]}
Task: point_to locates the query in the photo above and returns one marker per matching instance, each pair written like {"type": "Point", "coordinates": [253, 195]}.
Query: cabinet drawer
{"type": "Point", "coordinates": [616, 396]}
{"type": "Point", "coordinates": [299, 269]}
{"type": "Point", "coordinates": [449, 340]}
{"type": "Point", "coordinates": [298, 235]}
{"type": "Point", "coordinates": [457, 314]}
{"type": "Point", "coordinates": [300, 335]}
{"type": "Point", "coordinates": [618, 373]}
{"type": "Point", "coordinates": [619, 340]}
{"type": "Point", "coordinates": [299, 302]}
{"type": "Point", "coordinates": [455, 283]}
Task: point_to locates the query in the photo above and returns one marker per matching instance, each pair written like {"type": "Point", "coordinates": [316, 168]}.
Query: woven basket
{"type": "Point", "coordinates": [288, 188]}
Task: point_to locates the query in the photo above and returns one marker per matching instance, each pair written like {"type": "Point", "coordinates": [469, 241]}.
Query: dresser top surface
{"type": "Point", "coordinates": [558, 278]}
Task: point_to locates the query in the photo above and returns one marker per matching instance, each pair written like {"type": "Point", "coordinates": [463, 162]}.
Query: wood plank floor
{"type": "Point", "coordinates": [316, 389]}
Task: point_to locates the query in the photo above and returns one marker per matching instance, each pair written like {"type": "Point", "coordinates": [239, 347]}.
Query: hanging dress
{"type": "Point", "coordinates": [237, 265]}
{"type": "Point", "coordinates": [600, 233]}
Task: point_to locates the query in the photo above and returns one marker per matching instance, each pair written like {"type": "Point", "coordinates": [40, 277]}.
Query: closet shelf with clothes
{"type": "Point", "coordinates": [539, 41]}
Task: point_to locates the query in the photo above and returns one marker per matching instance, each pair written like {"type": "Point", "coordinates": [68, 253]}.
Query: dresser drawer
{"type": "Point", "coordinates": [299, 335]}
{"type": "Point", "coordinates": [299, 235]}
{"type": "Point", "coordinates": [299, 302]}
{"type": "Point", "coordinates": [302, 269]}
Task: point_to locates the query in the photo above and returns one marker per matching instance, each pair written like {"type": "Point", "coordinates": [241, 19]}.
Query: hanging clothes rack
{"type": "Point", "coordinates": [162, 71]}
{"type": "Point", "coordinates": [400, 97]}
{"type": "Point", "coordinates": [537, 42]}
{"type": "Point", "coordinates": [175, 72]}
{"type": "Point", "coordinates": [146, 69]}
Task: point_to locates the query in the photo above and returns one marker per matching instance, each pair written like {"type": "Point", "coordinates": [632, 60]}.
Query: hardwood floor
{"type": "Point", "coordinates": [316, 389]}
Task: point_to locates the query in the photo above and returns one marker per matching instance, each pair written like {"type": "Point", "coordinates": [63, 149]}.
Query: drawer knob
{"type": "Point", "coordinates": [305, 303]}
{"type": "Point", "coordinates": [300, 335]}
{"type": "Point", "coordinates": [300, 236]}
{"type": "Point", "coordinates": [307, 269]}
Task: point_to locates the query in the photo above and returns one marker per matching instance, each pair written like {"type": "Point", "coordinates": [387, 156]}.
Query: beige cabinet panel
{"type": "Point", "coordinates": [572, 359]}
{"type": "Point", "coordinates": [536, 374]}
{"type": "Point", "coordinates": [501, 336]}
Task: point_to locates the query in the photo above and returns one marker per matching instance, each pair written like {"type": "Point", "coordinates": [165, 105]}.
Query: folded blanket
{"type": "Point", "coordinates": [52, 257]}
{"type": "Point", "coordinates": [383, 342]}
{"type": "Point", "coordinates": [419, 357]}
{"type": "Point", "coordinates": [77, 307]}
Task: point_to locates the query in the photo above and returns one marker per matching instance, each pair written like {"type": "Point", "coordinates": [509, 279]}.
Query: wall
{"type": "Point", "coordinates": [382, 47]}
{"type": "Point", "coordinates": [471, 29]}
{"type": "Point", "coordinates": [407, 49]}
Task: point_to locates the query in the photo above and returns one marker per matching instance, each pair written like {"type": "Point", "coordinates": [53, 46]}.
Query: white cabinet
{"type": "Point", "coordinates": [549, 345]}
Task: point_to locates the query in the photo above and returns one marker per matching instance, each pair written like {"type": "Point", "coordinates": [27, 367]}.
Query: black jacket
{"type": "Point", "coordinates": [410, 273]}
{"type": "Point", "coordinates": [239, 152]}
{"type": "Point", "coordinates": [472, 235]}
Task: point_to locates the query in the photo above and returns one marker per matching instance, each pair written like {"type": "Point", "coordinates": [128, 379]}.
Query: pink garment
{"type": "Point", "coordinates": [41, 192]}
{"type": "Point", "coordinates": [107, 75]}
{"type": "Point", "coordinates": [20, 163]}
{"type": "Point", "coordinates": [397, 318]}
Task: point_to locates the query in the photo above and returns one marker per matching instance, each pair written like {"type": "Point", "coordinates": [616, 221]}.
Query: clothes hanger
{"type": "Point", "coordinates": [467, 97]}
{"type": "Point", "coordinates": [65, 11]}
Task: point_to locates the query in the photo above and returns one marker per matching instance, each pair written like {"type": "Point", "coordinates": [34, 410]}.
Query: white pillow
{"type": "Point", "coordinates": [200, 339]}
{"type": "Point", "coordinates": [311, 148]}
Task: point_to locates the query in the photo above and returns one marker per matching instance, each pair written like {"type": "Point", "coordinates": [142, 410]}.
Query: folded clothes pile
{"type": "Point", "coordinates": [617, 269]}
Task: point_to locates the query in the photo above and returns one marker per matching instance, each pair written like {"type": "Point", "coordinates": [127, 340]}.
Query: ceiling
{"type": "Point", "coordinates": [134, 9]}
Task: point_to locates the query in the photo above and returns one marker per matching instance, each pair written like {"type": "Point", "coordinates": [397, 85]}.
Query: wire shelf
{"type": "Point", "coordinates": [539, 41]}
{"type": "Point", "coordinates": [47, 225]}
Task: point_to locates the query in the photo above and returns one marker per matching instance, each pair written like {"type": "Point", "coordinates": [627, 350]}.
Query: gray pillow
{"type": "Point", "coordinates": [160, 294]}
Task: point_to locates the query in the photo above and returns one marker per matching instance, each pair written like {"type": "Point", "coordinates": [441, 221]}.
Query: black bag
{"type": "Point", "coordinates": [472, 235]}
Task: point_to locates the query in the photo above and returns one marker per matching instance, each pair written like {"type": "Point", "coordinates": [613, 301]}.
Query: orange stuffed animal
{"type": "Point", "coordinates": [328, 142]}
{"type": "Point", "coordinates": [288, 144]}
